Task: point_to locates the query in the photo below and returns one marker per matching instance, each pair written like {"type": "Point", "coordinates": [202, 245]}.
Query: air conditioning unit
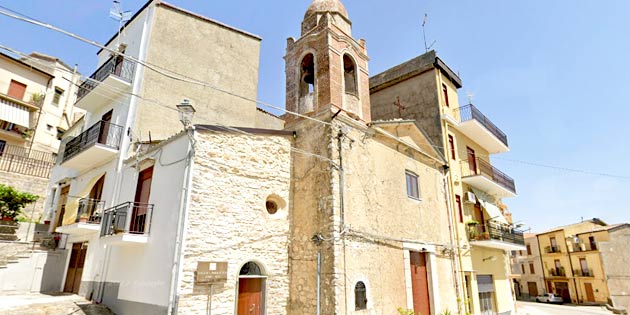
{"type": "Point", "coordinates": [469, 197]}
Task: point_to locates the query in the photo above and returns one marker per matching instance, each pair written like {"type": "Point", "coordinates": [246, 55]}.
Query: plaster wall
{"type": "Point", "coordinates": [615, 257]}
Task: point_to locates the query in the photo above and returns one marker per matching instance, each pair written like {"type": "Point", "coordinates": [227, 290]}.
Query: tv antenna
{"type": "Point", "coordinates": [117, 13]}
{"type": "Point", "coordinates": [424, 34]}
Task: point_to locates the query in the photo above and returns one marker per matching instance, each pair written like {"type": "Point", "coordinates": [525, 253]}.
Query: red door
{"type": "Point", "coordinates": [143, 191]}
{"type": "Point", "coordinates": [420, 283]}
{"type": "Point", "coordinates": [472, 161]}
{"type": "Point", "coordinates": [250, 296]}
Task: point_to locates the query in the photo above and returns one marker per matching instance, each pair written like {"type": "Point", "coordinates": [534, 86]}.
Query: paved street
{"type": "Point", "coordinates": [48, 304]}
{"type": "Point", "coordinates": [532, 308]}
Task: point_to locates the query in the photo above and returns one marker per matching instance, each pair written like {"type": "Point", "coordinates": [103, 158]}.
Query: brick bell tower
{"type": "Point", "coordinates": [326, 68]}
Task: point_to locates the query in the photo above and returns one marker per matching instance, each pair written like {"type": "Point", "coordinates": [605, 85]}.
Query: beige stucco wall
{"type": "Point", "coordinates": [208, 52]}
{"type": "Point", "coordinates": [227, 219]}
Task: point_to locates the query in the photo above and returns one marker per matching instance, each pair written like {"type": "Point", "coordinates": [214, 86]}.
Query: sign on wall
{"type": "Point", "coordinates": [210, 272]}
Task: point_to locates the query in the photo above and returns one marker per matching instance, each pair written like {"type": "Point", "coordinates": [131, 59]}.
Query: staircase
{"type": "Point", "coordinates": [8, 231]}
{"type": "Point", "coordinates": [11, 252]}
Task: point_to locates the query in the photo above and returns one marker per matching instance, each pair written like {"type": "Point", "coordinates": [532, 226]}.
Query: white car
{"type": "Point", "coordinates": [549, 298]}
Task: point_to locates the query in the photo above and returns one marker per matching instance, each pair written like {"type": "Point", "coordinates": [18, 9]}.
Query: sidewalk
{"type": "Point", "coordinates": [48, 304]}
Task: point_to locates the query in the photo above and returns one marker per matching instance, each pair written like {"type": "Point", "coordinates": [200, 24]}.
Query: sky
{"type": "Point", "coordinates": [553, 75]}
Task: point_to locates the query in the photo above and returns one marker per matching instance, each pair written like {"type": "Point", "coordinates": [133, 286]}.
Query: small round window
{"type": "Point", "coordinates": [275, 204]}
{"type": "Point", "coordinates": [272, 206]}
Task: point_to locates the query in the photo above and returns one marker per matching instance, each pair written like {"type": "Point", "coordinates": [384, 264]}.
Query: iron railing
{"type": "Point", "coordinates": [583, 272]}
{"type": "Point", "coordinates": [102, 132]}
{"type": "Point", "coordinates": [552, 249]}
{"type": "Point", "coordinates": [90, 210]}
{"type": "Point", "coordinates": [115, 219]}
{"type": "Point", "coordinates": [494, 230]}
{"type": "Point", "coordinates": [584, 247]}
{"type": "Point", "coordinates": [116, 65]}
{"type": "Point", "coordinates": [484, 168]}
{"type": "Point", "coordinates": [557, 272]}
{"type": "Point", "coordinates": [470, 112]}
{"type": "Point", "coordinates": [21, 160]}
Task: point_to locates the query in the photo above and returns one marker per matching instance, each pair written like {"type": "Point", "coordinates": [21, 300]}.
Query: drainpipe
{"type": "Point", "coordinates": [340, 135]}
{"type": "Point", "coordinates": [319, 282]}
{"type": "Point", "coordinates": [575, 286]}
{"type": "Point", "coordinates": [176, 270]}
{"type": "Point", "coordinates": [455, 262]}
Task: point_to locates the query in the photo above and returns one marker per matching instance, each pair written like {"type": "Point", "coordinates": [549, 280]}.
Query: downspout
{"type": "Point", "coordinates": [176, 270]}
{"type": "Point", "coordinates": [342, 219]}
{"type": "Point", "coordinates": [41, 109]}
{"type": "Point", "coordinates": [575, 286]}
{"type": "Point", "coordinates": [455, 262]}
{"type": "Point", "coordinates": [542, 265]}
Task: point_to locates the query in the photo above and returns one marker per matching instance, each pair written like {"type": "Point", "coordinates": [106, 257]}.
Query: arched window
{"type": "Point", "coordinates": [360, 296]}
{"type": "Point", "coordinates": [307, 75]}
{"type": "Point", "coordinates": [349, 75]}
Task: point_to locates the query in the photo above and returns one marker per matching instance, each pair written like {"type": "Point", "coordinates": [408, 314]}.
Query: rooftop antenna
{"type": "Point", "coordinates": [424, 34]}
{"type": "Point", "coordinates": [117, 13]}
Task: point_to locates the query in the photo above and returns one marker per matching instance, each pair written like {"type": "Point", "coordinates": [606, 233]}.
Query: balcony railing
{"type": "Point", "coordinates": [470, 112]}
{"type": "Point", "coordinates": [583, 273]}
{"type": "Point", "coordinates": [488, 171]}
{"type": "Point", "coordinates": [90, 211]}
{"type": "Point", "coordinates": [494, 230]}
{"type": "Point", "coordinates": [557, 272]}
{"type": "Point", "coordinates": [552, 249]}
{"type": "Point", "coordinates": [103, 132]}
{"type": "Point", "coordinates": [21, 160]}
{"type": "Point", "coordinates": [115, 219]}
{"type": "Point", "coordinates": [116, 65]}
{"type": "Point", "coordinates": [584, 247]}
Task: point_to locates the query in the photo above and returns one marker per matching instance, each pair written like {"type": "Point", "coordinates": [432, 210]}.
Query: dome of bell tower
{"type": "Point", "coordinates": [321, 6]}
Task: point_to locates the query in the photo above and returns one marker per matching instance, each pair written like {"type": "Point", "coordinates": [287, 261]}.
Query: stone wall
{"type": "Point", "coordinates": [234, 176]}
{"type": "Point", "coordinates": [31, 184]}
{"type": "Point", "coordinates": [615, 257]}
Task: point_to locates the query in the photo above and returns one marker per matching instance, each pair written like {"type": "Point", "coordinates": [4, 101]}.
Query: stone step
{"type": "Point", "coordinates": [4, 229]}
{"type": "Point", "coordinates": [8, 237]}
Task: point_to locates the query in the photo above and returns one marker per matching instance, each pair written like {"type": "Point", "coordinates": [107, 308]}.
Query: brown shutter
{"type": "Point", "coordinates": [17, 90]}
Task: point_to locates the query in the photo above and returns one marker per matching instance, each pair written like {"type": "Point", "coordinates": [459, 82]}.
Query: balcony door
{"type": "Point", "coordinates": [104, 133]}
{"type": "Point", "coordinates": [95, 197]}
{"type": "Point", "coordinates": [472, 161]}
{"type": "Point", "coordinates": [140, 207]}
{"type": "Point", "coordinates": [61, 210]}
{"type": "Point", "coordinates": [75, 268]}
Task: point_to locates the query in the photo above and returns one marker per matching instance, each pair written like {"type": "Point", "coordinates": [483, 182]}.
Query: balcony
{"type": "Point", "coordinates": [557, 272]}
{"type": "Point", "coordinates": [92, 147]}
{"type": "Point", "coordinates": [88, 218]}
{"type": "Point", "coordinates": [583, 273]}
{"type": "Point", "coordinates": [470, 121]}
{"type": "Point", "coordinates": [481, 174]}
{"type": "Point", "coordinates": [584, 247]}
{"type": "Point", "coordinates": [496, 235]}
{"type": "Point", "coordinates": [127, 224]}
{"type": "Point", "coordinates": [552, 250]}
{"type": "Point", "coordinates": [21, 160]}
{"type": "Point", "coordinates": [110, 81]}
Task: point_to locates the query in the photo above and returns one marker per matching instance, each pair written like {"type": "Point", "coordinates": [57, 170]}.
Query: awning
{"type": "Point", "coordinates": [14, 113]}
{"type": "Point", "coordinates": [494, 213]}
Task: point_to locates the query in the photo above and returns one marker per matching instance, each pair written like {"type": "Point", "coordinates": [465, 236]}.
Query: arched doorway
{"type": "Point", "coordinates": [251, 290]}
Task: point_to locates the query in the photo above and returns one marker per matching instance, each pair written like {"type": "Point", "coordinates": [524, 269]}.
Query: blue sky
{"type": "Point", "coordinates": [553, 75]}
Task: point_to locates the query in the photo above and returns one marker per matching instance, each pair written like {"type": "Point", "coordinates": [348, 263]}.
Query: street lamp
{"type": "Point", "coordinates": [186, 113]}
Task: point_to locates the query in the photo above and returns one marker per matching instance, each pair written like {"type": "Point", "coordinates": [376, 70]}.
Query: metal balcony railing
{"type": "Point", "coordinates": [584, 247]}
{"type": "Point", "coordinates": [90, 211]}
{"type": "Point", "coordinates": [488, 171]}
{"type": "Point", "coordinates": [584, 272]}
{"type": "Point", "coordinates": [470, 112]}
{"type": "Point", "coordinates": [115, 219]}
{"type": "Point", "coordinates": [557, 272]}
{"type": "Point", "coordinates": [116, 65]}
{"type": "Point", "coordinates": [493, 230]}
{"type": "Point", "coordinates": [21, 160]}
{"type": "Point", "coordinates": [552, 249]}
{"type": "Point", "coordinates": [102, 132]}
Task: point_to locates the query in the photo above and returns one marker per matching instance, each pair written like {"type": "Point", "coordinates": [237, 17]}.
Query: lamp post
{"type": "Point", "coordinates": [186, 113]}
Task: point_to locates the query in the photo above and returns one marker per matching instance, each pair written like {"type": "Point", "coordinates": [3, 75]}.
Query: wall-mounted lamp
{"type": "Point", "coordinates": [490, 258]}
{"type": "Point", "coordinates": [186, 113]}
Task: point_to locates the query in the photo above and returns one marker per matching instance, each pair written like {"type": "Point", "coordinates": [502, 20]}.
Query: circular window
{"type": "Point", "coordinates": [272, 206]}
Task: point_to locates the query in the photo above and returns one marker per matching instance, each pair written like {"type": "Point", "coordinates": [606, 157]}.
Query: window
{"type": "Point", "coordinates": [16, 89]}
{"type": "Point", "coordinates": [349, 76]}
{"type": "Point", "coordinates": [57, 96]}
{"type": "Point", "coordinates": [591, 241]}
{"type": "Point", "coordinates": [360, 296]}
{"type": "Point", "coordinates": [531, 268]}
{"type": "Point", "coordinates": [522, 269]}
{"type": "Point", "coordinates": [584, 267]}
{"type": "Point", "coordinates": [529, 249]}
{"type": "Point", "coordinates": [458, 202]}
{"type": "Point", "coordinates": [451, 144]}
{"type": "Point", "coordinates": [412, 185]}
{"type": "Point", "coordinates": [445, 93]}
{"type": "Point", "coordinates": [554, 245]}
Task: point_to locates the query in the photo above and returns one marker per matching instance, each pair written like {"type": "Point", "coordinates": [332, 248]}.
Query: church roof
{"type": "Point", "coordinates": [320, 6]}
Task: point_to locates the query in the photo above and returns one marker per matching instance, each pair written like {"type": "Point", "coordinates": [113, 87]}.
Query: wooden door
{"type": "Point", "coordinates": [16, 90]}
{"type": "Point", "coordinates": [472, 161]}
{"type": "Point", "coordinates": [75, 268]}
{"type": "Point", "coordinates": [104, 132]}
{"type": "Point", "coordinates": [250, 296]}
{"type": "Point", "coordinates": [478, 216]}
{"type": "Point", "coordinates": [419, 283]}
{"type": "Point", "coordinates": [532, 288]}
{"type": "Point", "coordinates": [61, 210]}
{"type": "Point", "coordinates": [562, 289]}
{"type": "Point", "coordinates": [140, 207]}
{"type": "Point", "coordinates": [95, 196]}
{"type": "Point", "coordinates": [588, 288]}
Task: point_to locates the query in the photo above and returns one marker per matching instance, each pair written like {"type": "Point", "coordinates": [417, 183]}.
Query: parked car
{"type": "Point", "coordinates": [549, 298]}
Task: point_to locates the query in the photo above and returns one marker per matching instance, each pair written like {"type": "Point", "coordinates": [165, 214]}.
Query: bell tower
{"type": "Point", "coordinates": [327, 69]}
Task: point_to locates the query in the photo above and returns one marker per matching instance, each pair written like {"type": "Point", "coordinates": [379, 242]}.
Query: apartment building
{"type": "Point", "coordinates": [424, 89]}
{"type": "Point", "coordinates": [528, 271]}
{"type": "Point", "coordinates": [573, 261]}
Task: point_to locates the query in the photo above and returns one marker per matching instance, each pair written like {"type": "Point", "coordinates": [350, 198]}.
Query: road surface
{"type": "Point", "coordinates": [532, 308]}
